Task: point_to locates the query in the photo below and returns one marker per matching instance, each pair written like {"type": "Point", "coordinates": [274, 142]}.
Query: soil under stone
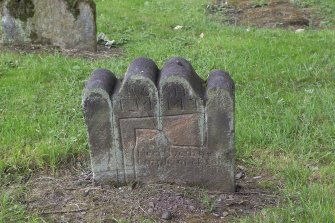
{"type": "Point", "coordinates": [267, 14]}
{"type": "Point", "coordinates": [72, 197]}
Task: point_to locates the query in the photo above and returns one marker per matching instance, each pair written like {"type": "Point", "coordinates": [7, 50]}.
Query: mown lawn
{"type": "Point", "coordinates": [285, 107]}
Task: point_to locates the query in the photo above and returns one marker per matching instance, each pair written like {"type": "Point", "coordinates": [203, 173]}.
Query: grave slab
{"type": "Point", "coordinates": [162, 126]}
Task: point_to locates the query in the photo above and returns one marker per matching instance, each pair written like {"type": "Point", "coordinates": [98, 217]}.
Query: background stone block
{"type": "Point", "coordinates": [63, 23]}
{"type": "Point", "coordinates": [166, 126]}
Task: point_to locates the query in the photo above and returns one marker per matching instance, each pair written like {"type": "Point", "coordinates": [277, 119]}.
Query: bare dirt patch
{"type": "Point", "coordinates": [266, 13]}
{"type": "Point", "coordinates": [101, 53]}
{"type": "Point", "coordinates": [72, 197]}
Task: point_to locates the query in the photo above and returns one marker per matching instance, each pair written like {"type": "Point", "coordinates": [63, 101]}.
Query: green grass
{"type": "Point", "coordinates": [285, 120]}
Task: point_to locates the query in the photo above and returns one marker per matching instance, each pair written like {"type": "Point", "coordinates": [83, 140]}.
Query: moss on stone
{"type": "Point", "coordinates": [33, 36]}
{"type": "Point", "coordinates": [72, 5]}
{"type": "Point", "coordinates": [21, 9]}
{"type": "Point", "coordinates": [24, 9]}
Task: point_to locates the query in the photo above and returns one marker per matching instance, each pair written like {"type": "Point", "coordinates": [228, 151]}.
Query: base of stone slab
{"type": "Point", "coordinates": [101, 53]}
{"type": "Point", "coordinates": [107, 183]}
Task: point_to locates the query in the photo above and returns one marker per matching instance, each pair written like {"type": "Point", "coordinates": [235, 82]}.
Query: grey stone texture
{"type": "Point", "coordinates": [161, 126]}
{"type": "Point", "coordinates": [67, 24]}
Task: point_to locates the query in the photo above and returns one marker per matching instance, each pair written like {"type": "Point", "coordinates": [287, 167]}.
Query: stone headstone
{"type": "Point", "coordinates": [161, 126]}
{"type": "Point", "coordinates": [64, 23]}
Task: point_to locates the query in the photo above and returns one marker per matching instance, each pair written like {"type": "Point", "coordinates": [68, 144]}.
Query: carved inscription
{"type": "Point", "coordinates": [177, 144]}
{"type": "Point", "coordinates": [128, 139]}
{"type": "Point", "coordinates": [184, 156]}
{"type": "Point", "coordinates": [135, 98]}
{"type": "Point", "coordinates": [150, 152]}
{"type": "Point", "coordinates": [136, 104]}
{"type": "Point", "coordinates": [176, 98]}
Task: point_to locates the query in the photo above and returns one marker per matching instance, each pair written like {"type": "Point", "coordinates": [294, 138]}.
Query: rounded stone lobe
{"type": "Point", "coordinates": [102, 79]}
{"type": "Point", "coordinates": [181, 68]}
{"type": "Point", "coordinates": [143, 67]}
{"type": "Point", "coordinates": [220, 80]}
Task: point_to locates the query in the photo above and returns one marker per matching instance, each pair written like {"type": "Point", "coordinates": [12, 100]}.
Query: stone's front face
{"type": "Point", "coordinates": [183, 130]}
{"type": "Point", "coordinates": [163, 127]}
{"type": "Point", "coordinates": [51, 22]}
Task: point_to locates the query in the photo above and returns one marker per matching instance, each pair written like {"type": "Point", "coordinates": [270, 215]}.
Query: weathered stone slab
{"type": "Point", "coordinates": [135, 103]}
{"type": "Point", "coordinates": [98, 116]}
{"type": "Point", "coordinates": [63, 23]}
{"type": "Point", "coordinates": [220, 128]}
{"type": "Point", "coordinates": [166, 127]}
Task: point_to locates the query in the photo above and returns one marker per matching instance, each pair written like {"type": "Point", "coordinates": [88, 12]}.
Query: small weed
{"type": "Point", "coordinates": [207, 202]}
{"type": "Point", "coordinates": [259, 3]}
{"type": "Point", "coordinates": [299, 3]}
